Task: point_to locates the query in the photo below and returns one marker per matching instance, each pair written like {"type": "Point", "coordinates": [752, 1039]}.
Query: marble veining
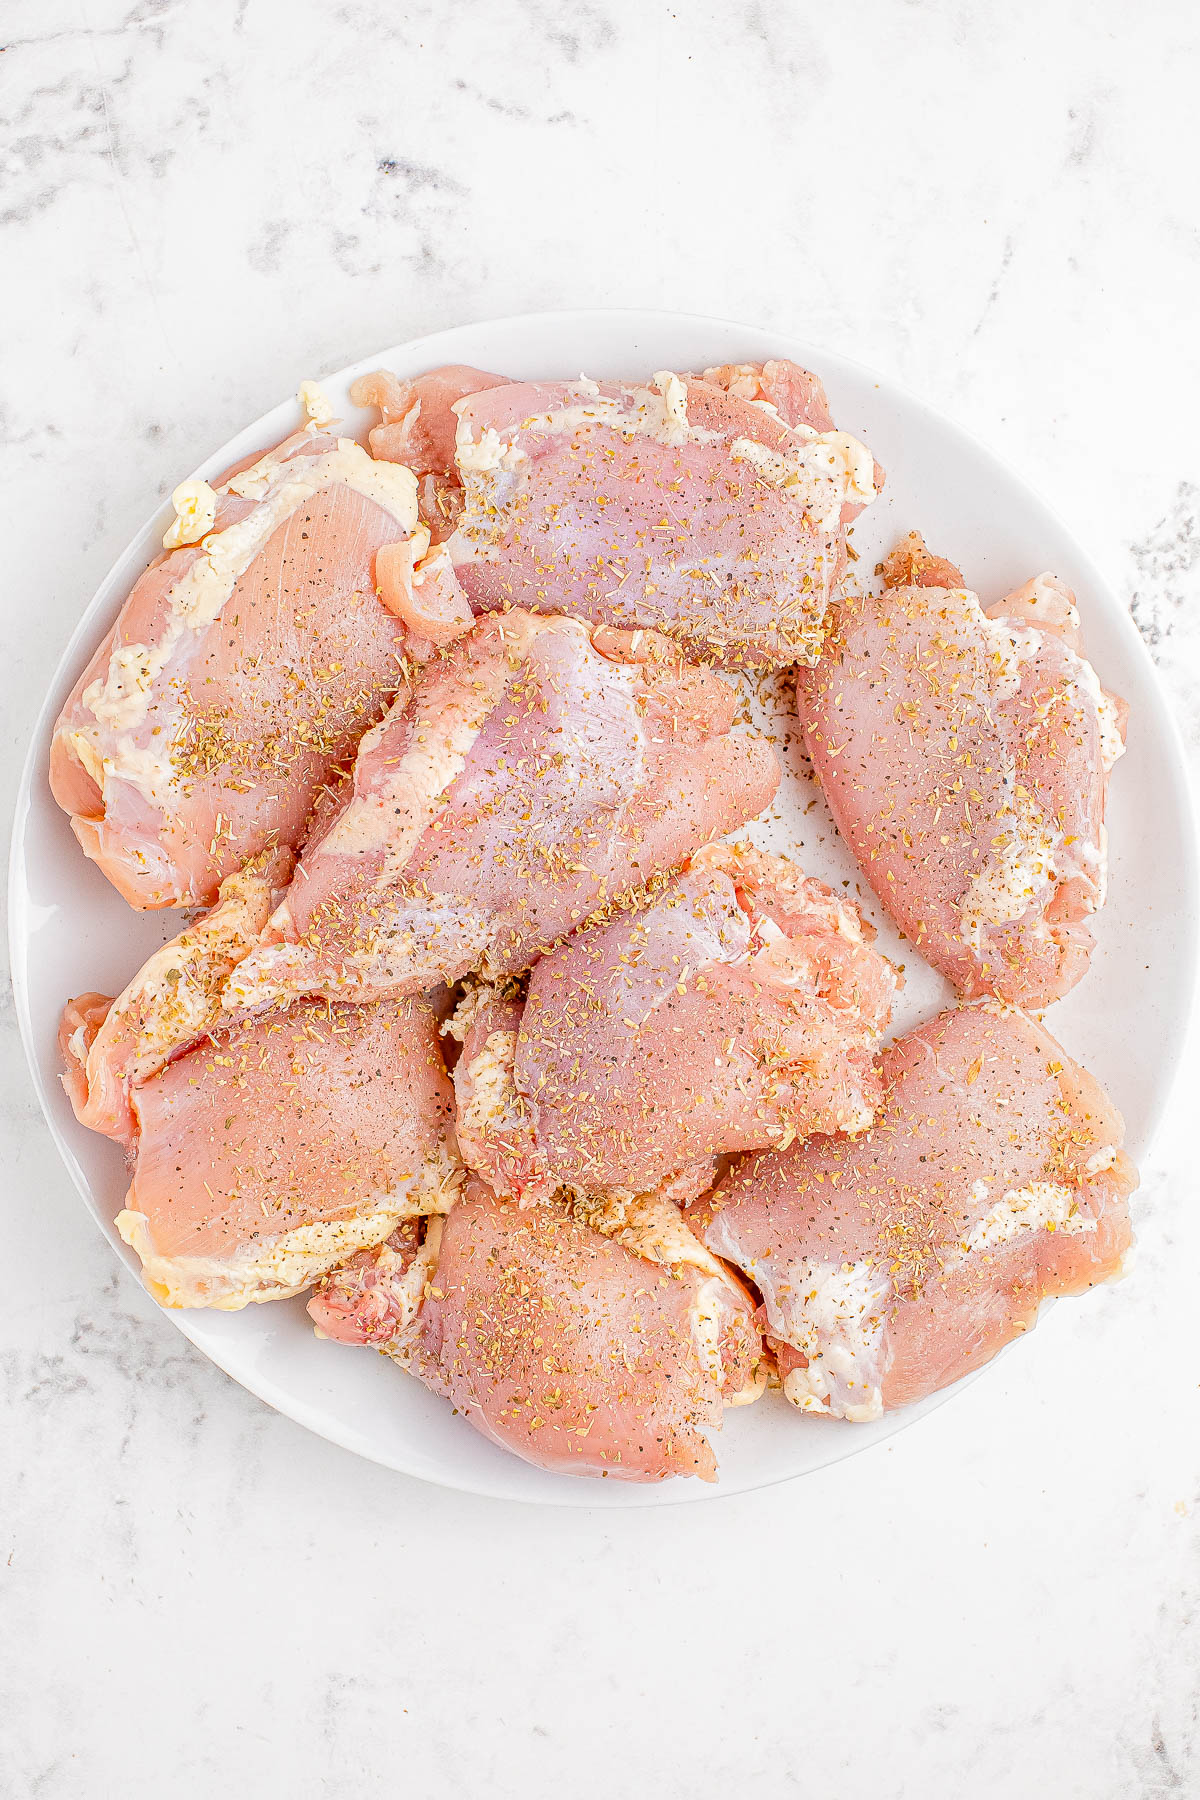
{"type": "Point", "coordinates": [199, 205]}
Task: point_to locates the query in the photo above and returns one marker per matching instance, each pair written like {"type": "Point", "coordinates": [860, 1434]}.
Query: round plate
{"type": "Point", "coordinates": [71, 931]}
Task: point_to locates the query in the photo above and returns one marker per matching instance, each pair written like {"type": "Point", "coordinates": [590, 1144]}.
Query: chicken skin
{"type": "Point", "coordinates": [741, 1006]}
{"type": "Point", "coordinates": [893, 1263]}
{"type": "Point", "coordinates": [558, 1343]}
{"type": "Point", "coordinates": [111, 1046]}
{"type": "Point", "coordinates": [271, 1150]}
{"type": "Point", "coordinates": [965, 757]}
{"type": "Point", "coordinates": [245, 665]}
{"type": "Point", "coordinates": [712, 507]}
{"type": "Point", "coordinates": [535, 772]}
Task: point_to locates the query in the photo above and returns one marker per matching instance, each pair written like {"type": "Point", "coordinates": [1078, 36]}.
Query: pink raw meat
{"type": "Point", "coordinates": [535, 772]}
{"type": "Point", "coordinates": [740, 1007]}
{"type": "Point", "coordinates": [894, 1263]}
{"type": "Point", "coordinates": [965, 757]}
{"type": "Point", "coordinates": [270, 1150]}
{"type": "Point", "coordinates": [554, 1341]}
{"type": "Point", "coordinates": [240, 674]}
{"type": "Point", "coordinates": [713, 507]}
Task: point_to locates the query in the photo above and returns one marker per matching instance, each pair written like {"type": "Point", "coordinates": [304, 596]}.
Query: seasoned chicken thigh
{"type": "Point", "coordinates": [271, 1150]}
{"type": "Point", "coordinates": [535, 772]}
{"type": "Point", "coordinates": [965, 757]}
{"type": "Point", "coordinates": [244, 667]}
{"type": "Point", "coordinates": [110, 1046]}
{"type": "Point", "coordinates": [556, 1342]}
{"type": "Point", "coordinates": [893, 1263]}
{"type": "Point", "coordinates": [741, 1006]}
{"type": "Point", "coordinates": [712, 507]}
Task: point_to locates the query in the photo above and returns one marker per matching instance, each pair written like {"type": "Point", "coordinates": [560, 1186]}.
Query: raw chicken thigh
{"type": "Point", "coordinates": [244, 667]}
{"type": "Point", "coordinates": [740, 1007]}
{"type": "Point", "coordinates": [712, 507]}
{"type": "Point", "coordinates": [554, 1341]}
{"type": "Point", "coordinates": [272, 1150]}
{"type": "Point", "coordinates": [892, 1264]}
{"type": "Point", "coordinates": [535, 772]}
{"type": "Point", "coordinates": [110, 1046]}
{"type": "Point", "coordinates": [965, 757]}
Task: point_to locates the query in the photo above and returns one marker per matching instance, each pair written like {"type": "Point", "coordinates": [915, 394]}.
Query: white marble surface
{"type": "Point", "coordinates": [203, 200]}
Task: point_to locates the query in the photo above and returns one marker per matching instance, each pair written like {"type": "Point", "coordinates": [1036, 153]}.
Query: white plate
{"type": "Point", "coordinates": [71, 932]}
